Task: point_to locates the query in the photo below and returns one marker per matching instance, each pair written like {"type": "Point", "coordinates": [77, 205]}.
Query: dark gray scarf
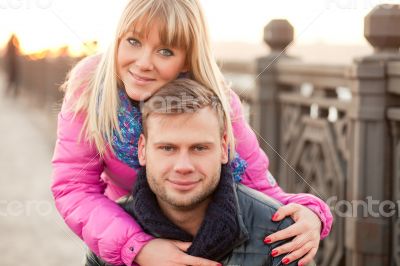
{"type": "Point", "coordinates": [219, 230]}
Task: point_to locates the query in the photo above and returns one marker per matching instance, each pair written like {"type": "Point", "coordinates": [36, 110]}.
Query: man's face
{"type": "Point", "coordinates": [183, 154]}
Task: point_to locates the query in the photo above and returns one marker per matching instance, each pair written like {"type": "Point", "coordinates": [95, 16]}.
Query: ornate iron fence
{"type": "Point", "coordinates": [334, 131]}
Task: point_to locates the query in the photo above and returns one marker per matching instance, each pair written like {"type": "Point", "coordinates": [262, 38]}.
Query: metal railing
{"type": "Point", "coordinates": [334, 131]}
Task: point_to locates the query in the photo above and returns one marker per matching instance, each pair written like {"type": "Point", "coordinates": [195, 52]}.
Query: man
{"type": "Point", "coordinates": [185, 190]}
{"type": "Point", "coordinates": [11, 66]}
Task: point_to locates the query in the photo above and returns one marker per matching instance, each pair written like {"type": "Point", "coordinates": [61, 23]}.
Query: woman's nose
{"type": "Point", "coordinates": [144, 61]}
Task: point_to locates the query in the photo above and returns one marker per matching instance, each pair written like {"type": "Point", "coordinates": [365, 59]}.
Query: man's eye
{"type": "Point", "coordinates": [133, 42]}
{"type": "Point", "coordinates": [166, 52]}
{"type": "Point", "coordinates": [200, 148]}
{"type": "Point", "coordinates": [167, 148]}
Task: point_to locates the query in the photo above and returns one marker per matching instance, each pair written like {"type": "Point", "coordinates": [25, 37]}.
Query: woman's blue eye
{"type": "Point", "coordinates": [166, 52]}
{"type": "Point", "coordinates": [133, 41]}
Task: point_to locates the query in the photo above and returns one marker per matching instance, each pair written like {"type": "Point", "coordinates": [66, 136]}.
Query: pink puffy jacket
{"type": "Point", "coordinates": [85, 186]}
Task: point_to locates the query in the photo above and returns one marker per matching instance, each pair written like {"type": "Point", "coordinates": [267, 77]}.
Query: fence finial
{"type": "Point", "coordinates": [278, 34]}
{"type": "Point", "coordinates": [381, 28]}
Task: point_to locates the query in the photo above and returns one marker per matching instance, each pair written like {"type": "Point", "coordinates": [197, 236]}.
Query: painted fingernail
{"type": "Point", "coordinates": [274, 253]}
{"type": "Point", "coordinates": [301, 264]}
{"type": "Point", "coordinates": [285, 261]}
{"type": "Point", "coordinates": [275, 217]}
{"type": "Point", "coordinates": [219, 264]}
{"type": "Point", "coordinates": [267, 240]}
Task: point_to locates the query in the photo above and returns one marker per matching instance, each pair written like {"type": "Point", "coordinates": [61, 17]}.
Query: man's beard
{"type": "Point", "coordinates": [184, 202]}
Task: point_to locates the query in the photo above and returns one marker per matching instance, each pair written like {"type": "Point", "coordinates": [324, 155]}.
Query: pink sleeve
{"type": "Point", "coordinates": [257, 176]}
{"type": "Point", "coordinates": [78, 192]}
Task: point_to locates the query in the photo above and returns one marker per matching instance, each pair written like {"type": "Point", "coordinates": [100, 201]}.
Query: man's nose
{"type": "Point", "coordinates": [183, 164]}
{"type": "Point", "coordinates": [144, 60]}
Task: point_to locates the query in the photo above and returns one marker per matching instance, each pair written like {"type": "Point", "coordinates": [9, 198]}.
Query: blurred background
{"type": "Point", "coordinates": [297, 65]}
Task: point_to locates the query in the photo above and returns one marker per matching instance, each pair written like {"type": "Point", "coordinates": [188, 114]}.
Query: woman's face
{"type": "Point", "coordinates": [144, 64]}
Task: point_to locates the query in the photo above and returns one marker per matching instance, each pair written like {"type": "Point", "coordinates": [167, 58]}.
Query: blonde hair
{"type": "Point", "coordinates": [182, 25]}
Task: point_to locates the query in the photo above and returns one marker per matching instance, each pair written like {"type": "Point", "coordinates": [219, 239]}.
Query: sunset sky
{"type": "Point", "coordinates": [42, 24]}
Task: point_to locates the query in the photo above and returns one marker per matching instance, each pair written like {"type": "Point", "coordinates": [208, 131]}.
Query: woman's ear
{"type": "Point", "coordinates": [142, 150]}
{"type": "Point", "coordinates": [224, 149]}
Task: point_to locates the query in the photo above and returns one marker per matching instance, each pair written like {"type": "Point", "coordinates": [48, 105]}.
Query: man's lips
{"type": "Point", "coordinates": [183, 184]}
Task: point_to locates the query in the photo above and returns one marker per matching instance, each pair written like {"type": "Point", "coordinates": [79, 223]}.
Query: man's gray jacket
{"type": "Point", "coordinates": [254, 211]}
{"type": "Point", "coordinates": [255, 216]}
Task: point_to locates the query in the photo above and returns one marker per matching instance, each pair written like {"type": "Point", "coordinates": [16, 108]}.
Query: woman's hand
{"type": "Point", "coordinates": [306, 232]}
{"type": "Point", "coordinates": [169, 253]}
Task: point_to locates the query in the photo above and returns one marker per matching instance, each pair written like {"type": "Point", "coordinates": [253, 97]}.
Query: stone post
{"type": "Point", "coordinates": [278, 34]}
{"type": "Point", "coordinates": [368, 235]}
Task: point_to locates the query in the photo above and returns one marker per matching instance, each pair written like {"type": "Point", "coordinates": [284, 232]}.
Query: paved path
{"type": "Point", "coordinates": [31, 230]}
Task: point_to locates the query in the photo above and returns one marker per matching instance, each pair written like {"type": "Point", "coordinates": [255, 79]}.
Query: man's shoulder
{"type": "Point", "coordinates": [259, 208]}
{"type": "Point", "coordinates": [256, 210]}
{"type": "Point", "coordinates": [263, 201]}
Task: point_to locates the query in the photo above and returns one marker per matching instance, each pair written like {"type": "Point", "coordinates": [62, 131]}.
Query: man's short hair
{"type": "Point", "coordinates": [182, 96]}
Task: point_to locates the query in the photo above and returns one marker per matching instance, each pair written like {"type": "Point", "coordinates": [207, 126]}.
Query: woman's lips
{"type": "Point", "coordinates": [183, 185]}
{"type": "Point", "coordinates": [141, 80]}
